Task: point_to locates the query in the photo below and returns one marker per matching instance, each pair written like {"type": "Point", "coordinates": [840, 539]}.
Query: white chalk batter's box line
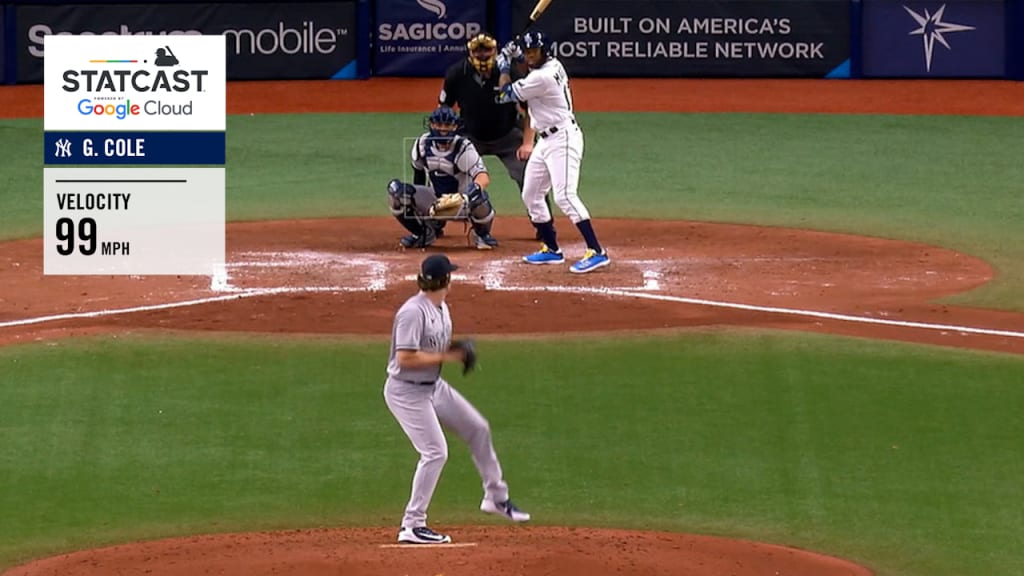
{"type": "Point", "coordinates": [494, 270]}
{"type": "Point", "coordinates": [494, 282]}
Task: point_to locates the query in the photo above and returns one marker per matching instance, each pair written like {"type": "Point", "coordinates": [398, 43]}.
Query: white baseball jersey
{"type": "Point", "coordinates": [450, 170]}
{"type": "Point", "coordinates": [556, 159]}
{"type": "Point", "coordinates": [547, 90]}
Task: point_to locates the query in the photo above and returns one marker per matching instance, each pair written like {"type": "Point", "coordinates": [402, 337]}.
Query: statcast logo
{"type": "Point", "coordinates": [423, 31]}
{"type": "Point", "coordinates": [37, 32]}
{"type": "Point", "coordinates": [122, 80]}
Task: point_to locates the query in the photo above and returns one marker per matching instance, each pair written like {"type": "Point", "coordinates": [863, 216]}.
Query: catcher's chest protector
{"type": "Point", "coordinates": [445, 176]}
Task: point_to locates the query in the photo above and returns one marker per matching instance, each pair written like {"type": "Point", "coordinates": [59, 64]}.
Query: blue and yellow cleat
{"type": "Point", "coordinates": [591, 261]}
{"type": "Point", "coordinates": [545, 256]}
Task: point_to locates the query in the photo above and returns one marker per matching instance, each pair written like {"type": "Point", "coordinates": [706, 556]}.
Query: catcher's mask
{"type": "Point", "coordinates": [483, 50]}
{"type": "Point", "coordinates": [443, 124]}
{"type": "Point", "coordinates": [435, 273]}
{"type": "Point", "coordinates": [536, 48]}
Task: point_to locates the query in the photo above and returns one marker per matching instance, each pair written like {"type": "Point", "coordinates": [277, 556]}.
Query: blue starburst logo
{"type": "Point", "coordinates": [931, 30]}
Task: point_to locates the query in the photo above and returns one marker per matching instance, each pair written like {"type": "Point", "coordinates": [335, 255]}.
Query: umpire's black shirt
{"type": "Point", "coordinates": [485, 119]}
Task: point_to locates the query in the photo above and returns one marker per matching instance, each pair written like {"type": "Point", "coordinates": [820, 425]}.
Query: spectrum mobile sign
{"type": "Point", "coordinates": [151, 83]}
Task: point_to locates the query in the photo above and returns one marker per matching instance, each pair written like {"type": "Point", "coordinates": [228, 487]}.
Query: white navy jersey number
{"type": "Point", "coordinates": [562, 80]}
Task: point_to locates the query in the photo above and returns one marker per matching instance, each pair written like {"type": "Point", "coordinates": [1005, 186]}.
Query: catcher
{"type": "Point", "coordinates": [457, 187]}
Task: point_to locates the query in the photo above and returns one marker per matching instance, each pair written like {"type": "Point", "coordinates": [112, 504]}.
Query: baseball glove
{"type": "Point", "coordinates": [447, 206]}
{"type": "Point", "coordinates": [468, 348]}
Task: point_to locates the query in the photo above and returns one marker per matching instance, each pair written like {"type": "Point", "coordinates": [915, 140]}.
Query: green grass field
{"type": "Point", "coordinates": [901, 457]}
{"type": "Point", "coordinates": [949, 181]}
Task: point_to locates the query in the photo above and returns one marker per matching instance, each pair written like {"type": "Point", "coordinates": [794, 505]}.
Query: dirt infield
{"type": "Point", "coordinates": [332, 277]}
{"type": "Point", "coordinates": [322, 276]}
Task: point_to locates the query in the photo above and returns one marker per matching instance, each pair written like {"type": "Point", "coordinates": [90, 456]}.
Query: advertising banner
{"type": "Point", "coordinates": [3, 44]}
{"type": "Point", "coordinates": [1015, 27]}
{"type": "Point", "coordinates": [765, 38]}
{"type": "Point", "coordinates": [424, 37]}
{"type": "Point", "coordinates": [264, 41]}
{"type": "Point", "coordinates": [932, 39]}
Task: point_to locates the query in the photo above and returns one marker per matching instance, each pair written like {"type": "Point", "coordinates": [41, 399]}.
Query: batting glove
{"type": "Point", "coordinates": [512, 51]}
{"type": "Point", "coordinates": [504, 66]}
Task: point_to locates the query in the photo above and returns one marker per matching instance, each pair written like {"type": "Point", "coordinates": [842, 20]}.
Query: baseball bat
{"type": "Point", "coordinates": [539, 9]}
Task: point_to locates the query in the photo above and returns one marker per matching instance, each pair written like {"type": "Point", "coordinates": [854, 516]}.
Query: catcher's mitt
{"type": "Point", "coordinates": [468, 348]}
{"type": "Point", "coordinates": [447, 206]}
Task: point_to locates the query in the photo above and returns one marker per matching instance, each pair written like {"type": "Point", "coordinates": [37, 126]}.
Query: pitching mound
{"type": "Point", "coordinates": [494, 551]}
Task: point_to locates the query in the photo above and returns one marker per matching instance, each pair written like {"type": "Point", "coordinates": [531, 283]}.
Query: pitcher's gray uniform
{"type": "Point", "coordinates": [422, 402]}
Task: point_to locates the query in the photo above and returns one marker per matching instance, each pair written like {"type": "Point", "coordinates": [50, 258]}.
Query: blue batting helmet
{"type": "Point", "coordinates": [537, 40]}
{"type": "Point", "coordinates": [444, 123]}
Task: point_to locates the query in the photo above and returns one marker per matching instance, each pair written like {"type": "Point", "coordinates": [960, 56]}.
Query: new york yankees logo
{"type": "Point", "coordinates": [63, 148]}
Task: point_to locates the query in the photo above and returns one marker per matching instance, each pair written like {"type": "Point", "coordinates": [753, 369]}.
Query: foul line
{"type": "Point", "coordinates": [767, 309]}
{"type": "Point", "coordinates": [196, 302]}
{"type": "Point", "coordinates": [493, 281]}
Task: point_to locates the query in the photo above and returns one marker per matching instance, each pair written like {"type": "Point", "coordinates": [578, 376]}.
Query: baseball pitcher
{"type": "Point", "coordinates": [422, 402]}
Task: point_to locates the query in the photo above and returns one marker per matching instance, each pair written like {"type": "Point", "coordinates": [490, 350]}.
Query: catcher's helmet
{"type": "Point", "coordinates": [443, 123]}
{"type": "Point", "coordinates": [537, 40]}
{"type": "Point", "coordinates": [482, 50]}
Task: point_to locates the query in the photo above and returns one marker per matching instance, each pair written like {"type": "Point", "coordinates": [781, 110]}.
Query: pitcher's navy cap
{"type": "Point", "coordinates": [436, 266]}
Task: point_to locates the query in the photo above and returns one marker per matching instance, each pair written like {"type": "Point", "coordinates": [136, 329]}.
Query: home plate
{"type": "Point", "coordinates": [459, 277]}
{"type": "Point", "coordinates": [452, 545]}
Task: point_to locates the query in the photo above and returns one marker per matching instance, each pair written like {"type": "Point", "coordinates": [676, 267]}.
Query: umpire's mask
{"type": "Point", "coordinates": [483, 49]}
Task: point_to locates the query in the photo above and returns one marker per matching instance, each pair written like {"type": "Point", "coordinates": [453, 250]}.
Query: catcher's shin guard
{"type": "Point", "coordinates": [482, 238]}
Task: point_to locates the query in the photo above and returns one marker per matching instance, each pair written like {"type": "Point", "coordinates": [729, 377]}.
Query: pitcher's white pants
{"type": "Point", "coordinates": [421, 411]}
{"type": "Point", "coordinates": [555, 164]}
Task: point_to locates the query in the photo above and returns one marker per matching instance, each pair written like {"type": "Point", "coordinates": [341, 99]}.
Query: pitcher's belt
{"type": "Point", "coordinates": [424, 383]}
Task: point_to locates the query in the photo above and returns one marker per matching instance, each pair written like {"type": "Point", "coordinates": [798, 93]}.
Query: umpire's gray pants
{"type": "Point", "coordinates": [505, 149]}
{"type": "Point", "coordinates": [421, 411]}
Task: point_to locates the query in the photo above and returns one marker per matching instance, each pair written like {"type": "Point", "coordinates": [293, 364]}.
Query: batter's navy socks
{"type": "Point", "coordinates": [505, 509]}
{"type": "Point", "coordinates": [545, 256]}
{"type": "Point", "coordinates": [422, 535]}
{"type": "Point", "coordinates": [591, 261]}
{"type": "Point", "coordinates": [587, 230]}
{"type": "Point", "coordinates": [547, 235]}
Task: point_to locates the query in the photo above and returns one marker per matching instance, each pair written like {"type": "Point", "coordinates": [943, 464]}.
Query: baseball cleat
{"type": "Point", "coordinates": [591, 261]}
{"type": "Point", "coordinates": [417, 241]}
{"type": "Point", "coordinates": [545, 256]}
{"type": "Point", "coordinates": [422, 535]}
{"type": "Point", "coordinates": [484, 241]}
{"type": "Point", "coordinates": [506, 509]}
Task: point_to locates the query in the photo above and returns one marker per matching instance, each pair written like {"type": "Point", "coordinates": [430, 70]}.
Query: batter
{"type": "Point", "coordinates": [423, 402]}
{"type": "Point", "coordinates": [555, 162]}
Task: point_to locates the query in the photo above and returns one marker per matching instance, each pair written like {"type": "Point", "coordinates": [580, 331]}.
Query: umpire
{"type": "Point", "coordinates": [494, 129]}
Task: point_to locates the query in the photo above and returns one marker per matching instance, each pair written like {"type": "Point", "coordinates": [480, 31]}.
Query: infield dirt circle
{"type": "Point", "coordinates": [332, 277]}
